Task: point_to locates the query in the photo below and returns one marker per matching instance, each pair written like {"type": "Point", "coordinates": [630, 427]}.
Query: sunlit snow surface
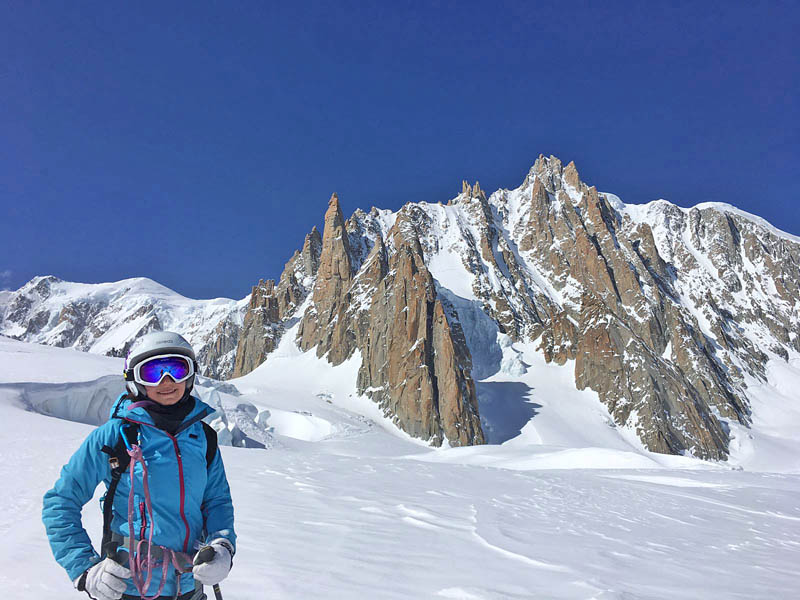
{"type": "Point", "coordinates": [343, 505]}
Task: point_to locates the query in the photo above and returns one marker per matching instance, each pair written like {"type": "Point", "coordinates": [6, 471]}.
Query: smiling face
{"type": "Point", "coordinates": [167, 392]}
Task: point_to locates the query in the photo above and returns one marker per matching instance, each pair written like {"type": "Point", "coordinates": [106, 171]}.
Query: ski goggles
{"type": "Point", "coordinates": [151, 372]}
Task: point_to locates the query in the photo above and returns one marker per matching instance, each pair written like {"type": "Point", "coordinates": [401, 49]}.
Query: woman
{"type": "Point", "coordinates": [168, 515]}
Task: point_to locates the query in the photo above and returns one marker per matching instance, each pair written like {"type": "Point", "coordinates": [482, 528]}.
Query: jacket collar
{"type": "Point", "coordinates": [122, 410]}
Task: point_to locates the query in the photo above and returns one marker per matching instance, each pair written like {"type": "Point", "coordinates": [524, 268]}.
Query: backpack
{"type": "Point", "coordinates": [119, 459]}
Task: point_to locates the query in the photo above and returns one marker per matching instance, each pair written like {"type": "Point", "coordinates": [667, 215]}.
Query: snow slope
{"type": "Point", "coordinates": [342, 505]}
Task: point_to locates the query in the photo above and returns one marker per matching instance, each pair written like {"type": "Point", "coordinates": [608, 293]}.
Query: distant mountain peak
{"type": "Point", "coordinates": [105, 318]}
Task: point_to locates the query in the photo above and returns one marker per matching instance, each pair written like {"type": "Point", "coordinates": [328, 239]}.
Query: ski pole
{"type": "Point", "coordinates": [204, 555]}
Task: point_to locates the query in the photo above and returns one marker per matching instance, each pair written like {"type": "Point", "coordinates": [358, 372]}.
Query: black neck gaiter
{"type": "Point", "coordinates": [169, 418]}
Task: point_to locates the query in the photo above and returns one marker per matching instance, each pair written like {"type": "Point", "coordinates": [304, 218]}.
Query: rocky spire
{"type": "Point", "coordinates": [334, 261]}
{"type": "Point", "coordinates": [334, 277]}
{"type": "Point", "coordinates": [475, 191]}
{"type": "Point", "coordinates": [571, 175]}
{"type": "Point", "coordinates": [415, 363]}
{"type": "Point", "coordinates": [312, 247]}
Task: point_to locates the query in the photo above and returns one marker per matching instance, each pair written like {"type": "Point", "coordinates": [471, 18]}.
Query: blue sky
{"type": "Point", "coordinates": [197, 143]}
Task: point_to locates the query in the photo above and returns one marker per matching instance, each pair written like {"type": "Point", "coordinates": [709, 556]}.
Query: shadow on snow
{"type": "Point", "coordinates": [504, 408]}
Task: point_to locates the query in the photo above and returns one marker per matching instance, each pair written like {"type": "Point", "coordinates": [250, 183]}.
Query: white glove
{"type": "Point", "coordinates": [105, 581]}
{"type": "Point", "coordinates": [216, 569]}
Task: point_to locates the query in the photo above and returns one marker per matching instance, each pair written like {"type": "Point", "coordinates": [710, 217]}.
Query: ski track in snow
{"type": "Point", "coordinates": [342, 506]}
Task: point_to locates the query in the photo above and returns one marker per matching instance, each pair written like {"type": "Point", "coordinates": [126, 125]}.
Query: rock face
{"type": "Point", "coordinates": [414, 362]}
{"type": "Point", "coordinates": [90, 317]}
{"type": "Point", "coordinates": [325, 324]}
{"type": "Point", "coordinates": [656, 333]}
{"type": "Point", "coordinates": [271, 306]}
{"type": "Point", "coordinates": [217, 355]}
{"type": "Point", "coordinates": [617, 314]}
{"type": "Point", "coordinates": [261, 329]}
{"type": "Point", "coordinates": [664, 312]}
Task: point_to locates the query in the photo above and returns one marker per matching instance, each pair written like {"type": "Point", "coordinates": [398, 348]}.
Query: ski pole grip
{"type": "Point", "coordinates": [204, 555]}
{"type": "Point", "coordinates": [110, 551]}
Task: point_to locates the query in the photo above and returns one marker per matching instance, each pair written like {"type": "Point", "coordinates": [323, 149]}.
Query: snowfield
{"type": "Point", "coordinates": [333, 501]}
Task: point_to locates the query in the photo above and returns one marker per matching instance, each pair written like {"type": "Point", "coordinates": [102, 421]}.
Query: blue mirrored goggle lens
{"type": "Point", "coordinates": [154, 369]}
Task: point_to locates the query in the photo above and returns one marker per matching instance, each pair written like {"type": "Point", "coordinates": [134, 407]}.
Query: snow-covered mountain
{"type": "Point", "coordinates": [682, 324]}
{"type": "Point", "coordinates": [673, 317]}
{"type": "Point", "coordinates": [105, 318]}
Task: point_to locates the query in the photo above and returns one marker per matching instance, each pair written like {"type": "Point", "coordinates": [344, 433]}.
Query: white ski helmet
{"type": "Point", "coordinates": [153, 344]}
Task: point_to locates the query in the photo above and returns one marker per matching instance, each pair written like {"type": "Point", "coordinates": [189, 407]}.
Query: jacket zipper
{"type": "Point", "coordinates": [183, 492]}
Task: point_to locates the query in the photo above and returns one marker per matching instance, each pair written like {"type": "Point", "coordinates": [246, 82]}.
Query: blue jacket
{"type": "Point", "coordinates": [191, 502]}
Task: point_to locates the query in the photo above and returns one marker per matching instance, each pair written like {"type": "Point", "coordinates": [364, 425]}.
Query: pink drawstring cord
{"type": "Point", "coordinates": [145, 564]}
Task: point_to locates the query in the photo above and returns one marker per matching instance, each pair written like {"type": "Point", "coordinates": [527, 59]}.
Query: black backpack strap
{"type": "Point", "coordinates": [118, 461]}
{"type": "Point", "coordinates": [211, 443]}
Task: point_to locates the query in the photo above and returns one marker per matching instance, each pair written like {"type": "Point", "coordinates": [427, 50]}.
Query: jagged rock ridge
{"type": "Point", "coordinates": [665, 311]}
